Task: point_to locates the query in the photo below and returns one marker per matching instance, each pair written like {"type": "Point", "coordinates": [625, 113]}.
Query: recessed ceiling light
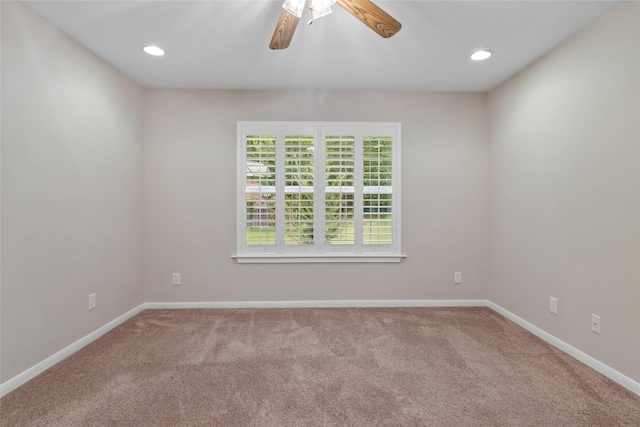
{"type": "Point", "coordinates": [481, 55]}
{"type": "Point", "coordinates": [153, 50]}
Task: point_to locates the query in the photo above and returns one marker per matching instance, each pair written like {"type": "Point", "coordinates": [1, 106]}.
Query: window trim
{"type": "Point", "coordinates": [317, 258]}
{"type": "Point", "coordinates": [340, 255]}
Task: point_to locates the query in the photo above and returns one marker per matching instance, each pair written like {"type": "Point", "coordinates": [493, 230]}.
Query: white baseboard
{"type": "Point", "coordinates": [614, 375]}
{"type": "Point", "coordinates": [30, 373]}
{"type": "Point", "coordinates": [596, 365]}
{"type": "Point", "coordinates": [319, 304]}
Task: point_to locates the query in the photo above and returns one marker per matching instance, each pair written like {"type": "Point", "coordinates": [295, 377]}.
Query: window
{"type": "Point", "coordinates": [318, 192]}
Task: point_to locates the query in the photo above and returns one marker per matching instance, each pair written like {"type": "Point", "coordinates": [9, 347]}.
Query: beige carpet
{"type": "Point", "coordinates": [320, 367]}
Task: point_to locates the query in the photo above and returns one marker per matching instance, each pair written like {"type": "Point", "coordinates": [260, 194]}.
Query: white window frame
{"type": "Point", "coordinates": [318, 251]}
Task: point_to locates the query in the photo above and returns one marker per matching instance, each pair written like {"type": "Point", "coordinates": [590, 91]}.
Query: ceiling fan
{"type": "Point", "coordinates": [364, 10]}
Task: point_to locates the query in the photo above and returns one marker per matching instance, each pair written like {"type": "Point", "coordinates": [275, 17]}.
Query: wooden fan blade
{"type": "Point", "coordinates": [285, 28]}
{"type": "Point", "coordinates": [372, 16]}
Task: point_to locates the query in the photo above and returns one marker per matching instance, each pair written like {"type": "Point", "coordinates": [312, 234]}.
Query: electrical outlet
{"type": "Point", "coordinates": [457, 277]}
{"type": "Point", "coordinates": [595, 323]}
{"type": "Point", "coordinates": [176, 279]}
{"type": "Point", "coordinates": [92, 301]}
{"type": "Point", "coordinates": [553, 305]}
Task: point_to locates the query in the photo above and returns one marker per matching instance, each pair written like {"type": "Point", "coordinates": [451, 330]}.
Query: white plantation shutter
{"type": "Point", "coordinates": [339, 170]}
{"type": "Point", "coordinates": [377, 179]}
{"type": "Point", "coordinates": [318, 192]}
{"type": "Point", "coordinates": [299, 183]}
{"type": "Point", "coordinates": [260, 189]}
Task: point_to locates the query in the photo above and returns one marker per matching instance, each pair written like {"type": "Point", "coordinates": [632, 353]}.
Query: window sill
{"type": "Point", "coordinates": [289, 259]}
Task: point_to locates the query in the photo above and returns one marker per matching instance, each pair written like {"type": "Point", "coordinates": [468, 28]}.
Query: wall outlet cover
{"type": "Point", "coordinates": [595, 323]}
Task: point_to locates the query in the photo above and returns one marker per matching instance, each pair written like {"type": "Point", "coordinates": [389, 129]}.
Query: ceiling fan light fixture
{"type": "Point", "coordinates": [153, 50]}
{"type": "Point", "coordinates": [319, 8]}
{"type": "Point", "coordinates": [319, 13]}
{"type": "Point", "coordinates": [481, 55]}
{"type": "Point", "coordinates": [295, 7]}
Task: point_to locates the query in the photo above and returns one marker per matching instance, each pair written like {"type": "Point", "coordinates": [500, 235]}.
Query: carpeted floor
{"type": "Point", "coordinates": [320, 367]}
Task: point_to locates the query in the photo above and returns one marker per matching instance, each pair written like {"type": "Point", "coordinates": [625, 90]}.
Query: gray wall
{"type": "Point", "coordinates": [565, 191]}
{"type": "Point", "coordinates": [72, 191]}
{"type": "Point", "coordinates": [191, 195]}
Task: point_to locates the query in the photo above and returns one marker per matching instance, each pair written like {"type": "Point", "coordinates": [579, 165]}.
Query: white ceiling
{"type": "Point", "coordinates": [224, 44]}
